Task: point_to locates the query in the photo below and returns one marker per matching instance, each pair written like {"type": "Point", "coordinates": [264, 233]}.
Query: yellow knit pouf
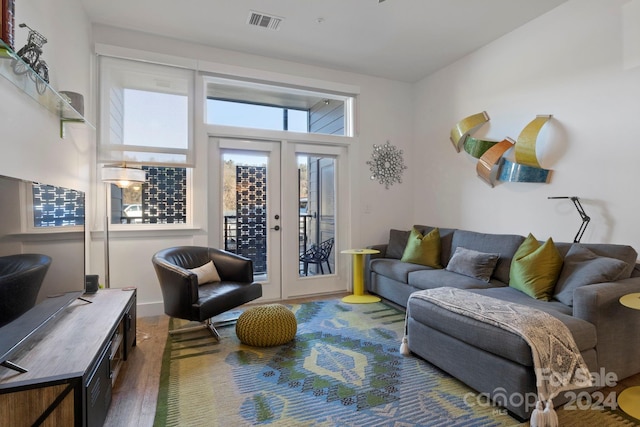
{"type": "Point", "coordinates": [266, 325]}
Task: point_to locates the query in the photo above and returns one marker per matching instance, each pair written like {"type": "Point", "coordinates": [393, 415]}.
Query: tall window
{"type": "Point", "coordinates": [147, 120]}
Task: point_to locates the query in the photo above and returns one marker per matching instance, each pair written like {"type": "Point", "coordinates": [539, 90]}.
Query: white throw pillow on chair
{"type": "Point", "coordinates": [206, 273]}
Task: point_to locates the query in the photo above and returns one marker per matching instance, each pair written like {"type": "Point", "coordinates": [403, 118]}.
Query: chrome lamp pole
{"type": "Point", "coordinates": [123, 177]}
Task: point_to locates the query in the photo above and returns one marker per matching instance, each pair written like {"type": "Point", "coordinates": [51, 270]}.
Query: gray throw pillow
{"type": "Point", "coordinates": [472, 263]}
{"type": "Point", "coordinates": [582, 267]}
{"type": "Point", "coordinates": [397, 243]}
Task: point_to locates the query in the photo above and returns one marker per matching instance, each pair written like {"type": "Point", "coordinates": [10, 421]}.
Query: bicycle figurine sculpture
{"type": "Point", "coordinates": [29, 56]}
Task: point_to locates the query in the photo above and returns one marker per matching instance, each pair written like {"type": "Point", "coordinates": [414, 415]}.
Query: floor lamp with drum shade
{"type": "Point", "coordinates": [122, 177]}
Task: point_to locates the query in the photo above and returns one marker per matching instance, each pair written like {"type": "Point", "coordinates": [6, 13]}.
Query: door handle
{"type": "Point", "coordinates": [277, 227]}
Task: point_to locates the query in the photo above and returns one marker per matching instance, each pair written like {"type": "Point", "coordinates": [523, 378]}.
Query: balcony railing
{"type": "Point", "coordinates": [231, 233]}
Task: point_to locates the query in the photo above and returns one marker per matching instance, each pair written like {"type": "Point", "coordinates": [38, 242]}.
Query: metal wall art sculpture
{"type": "Point", "coordinates": [488, 164]}
{"type": "Point", "coordinates": [492, 165]}
{"type": "Point", "coordinates": [386, 164]}
{"type": "Point", "coordinates": [465, 127]}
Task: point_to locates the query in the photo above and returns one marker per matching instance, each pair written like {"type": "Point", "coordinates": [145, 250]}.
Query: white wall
{"type": "Point", "coordinates": [31, 146]}
{"type": "Point", "coordinates": [384, 113]}
{"type": "Point", "coordinates": [568, 63]}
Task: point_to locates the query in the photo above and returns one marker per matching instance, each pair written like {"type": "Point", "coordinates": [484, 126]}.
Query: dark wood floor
{"type": "Point", "coordinates": [136, 390]}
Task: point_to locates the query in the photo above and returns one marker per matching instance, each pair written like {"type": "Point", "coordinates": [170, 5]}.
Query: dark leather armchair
{"type": "Point", "coordinates": [185, 299]}
{"type": "Point", "coordinates": [21, 277]}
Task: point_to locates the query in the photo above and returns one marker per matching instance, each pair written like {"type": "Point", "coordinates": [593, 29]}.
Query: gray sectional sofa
{"type": "Point", "coordinates": [497, 362]}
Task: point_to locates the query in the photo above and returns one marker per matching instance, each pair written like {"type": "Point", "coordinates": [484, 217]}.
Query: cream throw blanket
{"type": "Point", "coordinates": [557, 361]}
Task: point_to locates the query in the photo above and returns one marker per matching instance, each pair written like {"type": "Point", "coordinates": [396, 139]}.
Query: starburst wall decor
{"type": "Point", "coordinates": [386, 164]}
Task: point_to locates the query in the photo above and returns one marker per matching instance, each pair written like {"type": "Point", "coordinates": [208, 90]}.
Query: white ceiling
{"type": "Point", "coordinates": [402, 40]}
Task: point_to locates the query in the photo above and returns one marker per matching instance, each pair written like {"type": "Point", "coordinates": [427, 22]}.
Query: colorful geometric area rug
{"type": "Point", "coordinates": [343, 368]}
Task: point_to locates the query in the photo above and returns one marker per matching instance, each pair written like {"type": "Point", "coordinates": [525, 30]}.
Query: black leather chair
{"type": "Point", "coordinates": [21, 277]}
{"type": "Point", "coordinates": [185, 299]}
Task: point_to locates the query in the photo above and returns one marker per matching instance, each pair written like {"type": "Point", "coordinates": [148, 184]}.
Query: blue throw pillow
{"type": "Point", "coordinates": [472, 263]}
{"type": "Point", "coordinates": [397, 242]}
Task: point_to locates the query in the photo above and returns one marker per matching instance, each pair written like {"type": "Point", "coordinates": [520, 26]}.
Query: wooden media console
{"type": "Point", "coordinates": [72, 364]}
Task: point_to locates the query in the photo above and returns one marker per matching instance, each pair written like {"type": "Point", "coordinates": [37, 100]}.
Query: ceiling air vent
{"type": "Point", "coordinates": [263, 20]}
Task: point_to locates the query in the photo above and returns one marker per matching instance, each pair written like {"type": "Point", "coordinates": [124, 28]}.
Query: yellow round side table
{"type": "Point", "coordinates": [359, 297]}
{"type": "Point", "coordinates": [629, 399]}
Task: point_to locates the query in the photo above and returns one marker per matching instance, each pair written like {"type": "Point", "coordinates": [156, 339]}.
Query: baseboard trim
{"type": "Point", "coordinates": [148, 309]}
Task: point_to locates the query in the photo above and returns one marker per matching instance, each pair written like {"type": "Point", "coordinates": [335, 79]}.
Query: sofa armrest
{"type": "Point", "coordinates": [367, 267]}
{"type": "Point", "coordinates": [232, 267]}
{"type": "Point", "coordinates": [179, 286]}
{"type": "Point", "coordinates": [617, 326]}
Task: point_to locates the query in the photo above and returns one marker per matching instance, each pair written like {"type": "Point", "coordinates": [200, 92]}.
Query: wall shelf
{"type": "Point", "coordinates": [50, 99]}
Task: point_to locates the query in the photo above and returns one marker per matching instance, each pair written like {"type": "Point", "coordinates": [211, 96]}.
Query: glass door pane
{"type": "Point", "coordinates": [317, 217]}
{"type": "Point", "coordinates": [245, 208]}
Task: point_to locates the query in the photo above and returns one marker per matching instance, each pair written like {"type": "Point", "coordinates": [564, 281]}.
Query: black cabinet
{"type": "Point", "coordinates": [130, 325]}
{"type": "Point", "coordinates": [107, 368]}
{"type": "Point", "coordinates": [98, 391]}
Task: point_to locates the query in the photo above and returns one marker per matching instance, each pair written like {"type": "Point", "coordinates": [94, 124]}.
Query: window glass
{"type": "Point", "coordinates": [298, 121]}
{"type": "Point", "coordinates": [145, 113]}
{"type": "Point", "coordinates": [161, 199]}
{"type": "Point", "coordinates": [245, 207]}
{"type": "Point", "coordinates": [154, 119]}
{"type": "Point", "coordinates": [264, 106]}
{"type": "Point", "coordinates": [317, 217]}
{"type": "Point", "coordinates": [239, 114]}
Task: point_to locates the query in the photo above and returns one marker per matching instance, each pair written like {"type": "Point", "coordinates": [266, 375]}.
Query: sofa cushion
{"type": "Point", "coordinates": [446, 237]}
{"type": "Point", "coordinates": [584, 333]}
{"type": "Point", "coordinates": [491, 338]}
{"type": "Point", "coordinates": [503, 244]}
{"type": "Point", "coordinates": [395, 269]}
{"type": "Point", "coordinates": [507, 293]}
{"type": "Point", "coordinates": [397, 243]}
{"type": "Point", "coordinates": [473, 263]}
{"type": "Point", "coordinates": [423, 249]}
{"type": "Point", "coordinates": [563, 248]}
{"type": "Point", "coordinates": [535, 268]}
{"type": "Point", "coordinates": [622, 252]}
{"type": "Point", "coordinates": [429, 279]}
{"type": "Point", "coordinates": [583, 267]}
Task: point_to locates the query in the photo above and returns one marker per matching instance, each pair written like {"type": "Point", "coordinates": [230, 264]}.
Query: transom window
{"type": "Point", "coordinates": [242, 114]}
{"type": "Point", "coordinates": [262, 106]}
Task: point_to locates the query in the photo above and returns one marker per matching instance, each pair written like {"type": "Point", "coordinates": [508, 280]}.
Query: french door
{"type": "Point", "coordinates": [279, 207]}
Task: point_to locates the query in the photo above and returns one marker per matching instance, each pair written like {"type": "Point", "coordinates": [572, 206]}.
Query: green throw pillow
{"type": "Point", "coordinates": [535, 268]}
{"type": "Point", "coordinates": [423, 250]}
